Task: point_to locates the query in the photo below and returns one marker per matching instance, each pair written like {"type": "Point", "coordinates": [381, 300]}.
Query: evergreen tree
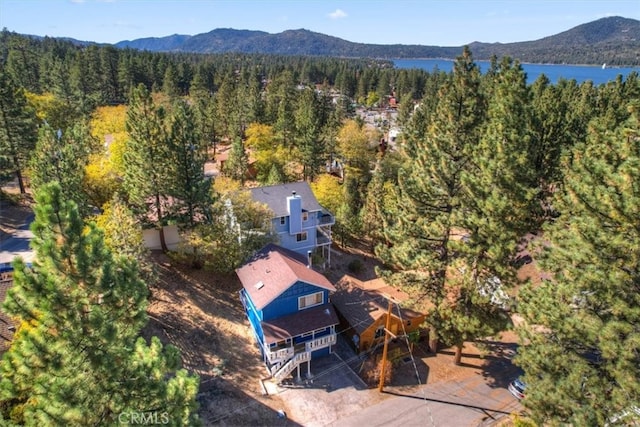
{"type": "Point", "coordinates": [189, 186]}
{"type": "Point", "coordinates": [280, 108]}
{"type": "Point", "coordinates": [123, 235]}
{"type": "Point", "coordinates": [424, 240]}
{"type": "Point", "coordinates": [147, 157]}
{"type": "Point", "coordinates": [581, 337]}
{"type": "Point", "coordinates": [17, 130]}
{"type": "Point", "coordinates": [500, 185]}
{"type": "Point", "coordinates": [190, 189]}
{"type": "Point", "coordinates": [62, 156]}
{"type": "Point", "coordinates": [275, 176]}
{"type": "Point", "coordinates": [309, 141]}
{"type": "Point", "coordinates": [77, 358]}
{"type": "Point", "coordinates": [170, 85]}
{"type": "Point", "coordinates": [237, 163]}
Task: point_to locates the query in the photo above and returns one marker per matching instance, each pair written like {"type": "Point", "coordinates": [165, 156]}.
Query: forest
{"type": "Point", "coordinates": [111, 141]}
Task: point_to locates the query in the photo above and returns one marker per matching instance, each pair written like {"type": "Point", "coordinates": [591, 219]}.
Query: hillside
{"type": "Point", "coordinates": [614, 40]}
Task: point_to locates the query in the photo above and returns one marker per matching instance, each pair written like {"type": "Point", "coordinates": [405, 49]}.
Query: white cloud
{"type": "Point", "coordinates": [338, 14]}
{"type": "Point", "coordinates": [77, 1]}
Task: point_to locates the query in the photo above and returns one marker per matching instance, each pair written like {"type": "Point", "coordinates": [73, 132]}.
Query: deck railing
{"type": "Point", "coordinates": [321, 342]}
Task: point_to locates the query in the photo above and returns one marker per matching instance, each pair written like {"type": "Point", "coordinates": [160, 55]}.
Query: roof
{"type": "Point", "coordinates": [277, 269]}
{"type": "Point", "coordinates": [362, 303]}
{"type": "Point", "coordinates": [275, 197]}
{"type": "Point", "coordinates": [299, 323]}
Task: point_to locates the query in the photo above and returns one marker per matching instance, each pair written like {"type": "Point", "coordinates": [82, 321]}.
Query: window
{"type": "Point", "coordinates": [301, 237]}
{"type": "Point", "coordinates": [283, 220]}
{"type": "Point", "coordinates": [379, 332]}
{"type": "Point", "coordinates": [305, 216]}
{"type": "Point", "coordinates": [310, 300]}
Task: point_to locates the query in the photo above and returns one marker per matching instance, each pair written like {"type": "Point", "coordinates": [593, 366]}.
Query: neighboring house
{"type": "Point", "coordinates": [222, 156]}
{"type": "Point", "coordinates": [151, 237]}
{"type": "Point", "coordinates": [7, 325]}
{"type": "Point", "coordinates": [298, 220]}
{"type": "Point", "coordinates": [287, 304]}
{"type": "Point", "coordinates": [362, 308]}
{"type": "Point", "coordinates": [150, 231]}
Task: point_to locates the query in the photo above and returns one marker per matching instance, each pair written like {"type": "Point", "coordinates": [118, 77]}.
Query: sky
{"type": "Point", "coordinates": [424, 22]}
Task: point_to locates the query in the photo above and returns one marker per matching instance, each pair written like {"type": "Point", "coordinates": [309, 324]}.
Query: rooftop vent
{"type": "Point", "coordinates": [259, 285]}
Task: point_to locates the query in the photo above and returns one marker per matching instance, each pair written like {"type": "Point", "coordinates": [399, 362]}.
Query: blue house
{"type": "Point", "coordinates": [298, 220]}
{"type": "Point", "coordinates": [287, 304]}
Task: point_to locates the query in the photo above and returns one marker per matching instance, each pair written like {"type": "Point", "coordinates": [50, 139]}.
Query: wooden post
{"type": "Point", "coordinates": [384, 349]}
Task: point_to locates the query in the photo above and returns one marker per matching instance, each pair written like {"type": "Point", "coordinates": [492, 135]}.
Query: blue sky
{"type": "Point", "coordinates": [426, 22]}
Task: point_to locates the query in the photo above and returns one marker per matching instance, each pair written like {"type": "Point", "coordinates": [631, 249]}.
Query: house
{"type": "Point", "coordinates": [287, 304]}
{"type": "Point", "coordinates": [362, 308]}
{"type": "Point", "coordinates": [298, 220]}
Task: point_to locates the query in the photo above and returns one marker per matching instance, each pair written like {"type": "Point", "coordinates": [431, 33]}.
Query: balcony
{"type": "Point", "coordinates": [325, 218]}
{"type": "Point", "coordinates": [284, 353]}
{"type": "Point", "coordinates": [322, 238]}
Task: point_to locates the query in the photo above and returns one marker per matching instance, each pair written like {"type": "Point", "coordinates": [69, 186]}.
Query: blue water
{"type": "Point", "coordinates": [579, 73]}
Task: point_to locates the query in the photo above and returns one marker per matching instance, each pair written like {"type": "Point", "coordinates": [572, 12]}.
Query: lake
{"type": "Point", "coordinates": [579, 73]}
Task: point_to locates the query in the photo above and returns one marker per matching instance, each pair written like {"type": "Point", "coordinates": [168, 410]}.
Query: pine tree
{"type": "Point", "coordinates": [190, 189]}
{"type": "Point", "coordinates": [581, 338]}
{"type": "Point", "coordinates": [424, 239]}
{"type": "Point", "coordinates": [77, 358]}
{"type": "Point", "coordinates": [498, 189]}
{"type": "Point", "coordinates": [17, 130]}
{"type": "Point", "coordinates": [188, 184]}
{"type": "Point", "coordinates": [62, 156]}
{"type": "Point", "coordinates": [237, 163]}
{"type": "Point", "coordinates": [123, 235]}
{"type": "Point", "coordinates": [309, 141]}
{"type": "Point", "coordinates": [147, 157]}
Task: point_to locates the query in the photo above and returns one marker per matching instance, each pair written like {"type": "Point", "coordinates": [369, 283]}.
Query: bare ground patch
{"type": "Point", "coordinates": [201, 314]}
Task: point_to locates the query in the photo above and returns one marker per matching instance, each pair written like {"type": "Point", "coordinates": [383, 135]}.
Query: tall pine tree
{"type": "Point", "coordinates": [17, 130]}
{"type": "Point", "coordinates": [77, 358]}
{"type": "Point", "coordinates": [581, 339]}
{"type": "Point", "coordinates": [433, 245]}
{"type": "Point", "coordinates": [61, 155]}
{"type": "Point", "coordinates": [148, 159]}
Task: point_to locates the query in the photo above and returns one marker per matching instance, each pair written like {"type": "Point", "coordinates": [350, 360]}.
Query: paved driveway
{"type": "Point", "coordinates": [336, 396]}
{"type": "Point", "coordinates": [17, 244]}
{"type": "Point", "coordinates": [468, 403]}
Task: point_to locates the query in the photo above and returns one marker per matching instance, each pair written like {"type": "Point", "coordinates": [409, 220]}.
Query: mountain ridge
{"type": "Point", "coordinates": [613, 40]}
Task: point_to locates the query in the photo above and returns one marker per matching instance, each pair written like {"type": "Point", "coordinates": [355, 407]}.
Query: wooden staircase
{"type": "Point", "coordinates": [293, 363]}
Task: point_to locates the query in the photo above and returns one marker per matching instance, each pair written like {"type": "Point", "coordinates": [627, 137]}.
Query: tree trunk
{"type": "Point", "coordinates": [433, 340]}
{"type": "Point", "coordinates": [458, 356]}
{"type": "Point", "coordinates": [16, 163]}
{"type": "Point", "coordinates": [21, 182]}
{"type": "Point", "coordinates": [163, 243]}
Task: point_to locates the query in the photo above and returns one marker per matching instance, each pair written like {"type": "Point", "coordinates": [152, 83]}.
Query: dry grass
{"type": "Point", "coordinates": [201, 314]}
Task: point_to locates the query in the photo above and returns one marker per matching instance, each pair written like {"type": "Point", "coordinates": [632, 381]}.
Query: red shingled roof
{"type": "Point", "coordinates": [277, 269]}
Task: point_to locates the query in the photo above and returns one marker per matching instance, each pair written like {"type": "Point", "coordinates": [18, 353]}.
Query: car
{"type": "Point", "coordinates": [517, 388]}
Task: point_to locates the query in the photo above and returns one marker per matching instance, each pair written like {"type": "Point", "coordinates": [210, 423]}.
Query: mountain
{"type": "Point", "coordinates": [614, 40]}
{"type": "Point", "coordinates": [157, 44]}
